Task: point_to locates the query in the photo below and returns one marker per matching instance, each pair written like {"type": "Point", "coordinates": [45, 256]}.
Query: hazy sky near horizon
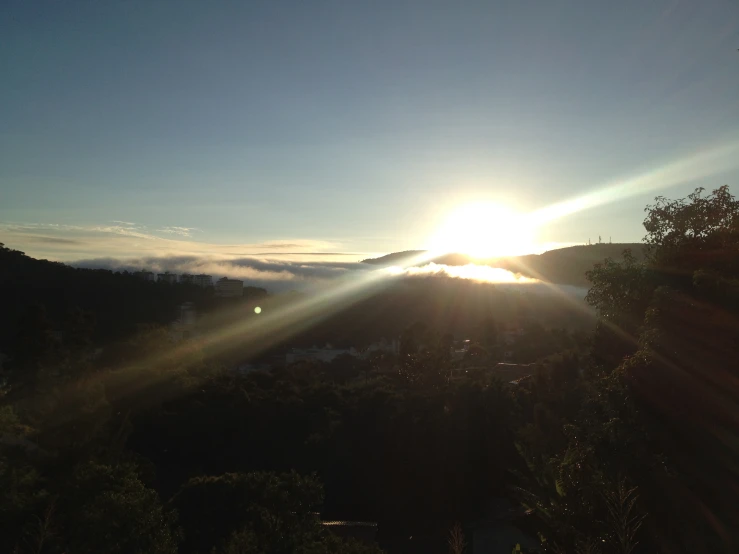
{"type": "Point", "coordinates": [137, 128]}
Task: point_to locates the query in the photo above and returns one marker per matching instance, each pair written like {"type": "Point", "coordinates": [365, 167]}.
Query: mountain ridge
{"type": "Point", "coordinates": [566, 266]}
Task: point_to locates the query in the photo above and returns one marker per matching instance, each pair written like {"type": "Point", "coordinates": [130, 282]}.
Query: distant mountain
{"type": "Point", "coordinates": [402, 258]}
{"type": "Point", "coordinates": [566, 266]}
{"type": "Point", "coordinates": [394, 258]}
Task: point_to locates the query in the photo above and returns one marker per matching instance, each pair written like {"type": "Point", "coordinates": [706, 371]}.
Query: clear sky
{"type": "Point", "coordinates": [352, 126]}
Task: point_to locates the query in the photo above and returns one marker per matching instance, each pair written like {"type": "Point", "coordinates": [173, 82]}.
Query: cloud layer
{"type": "Point", "coordinates": [473, 272]}
{"type": "Point", "coordinates": [275, 275]}
{"type": "Point", "coordinates": [125, 245]}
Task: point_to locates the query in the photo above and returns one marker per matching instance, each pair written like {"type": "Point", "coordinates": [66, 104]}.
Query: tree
{"type": "Point", "coordinates": [694, 232]}
{"type": "Point", "coordinates": [108, 509]}
{"type": "Point", "coordinates": [620, 292]}
{"type": "Point", "coordinates": [476, 354]}
{"type": "Point", "coordinates": [78, 333]}
{"type": "Point", "coordinates": [36, 346]}
{"type": "Point", "coordinates": [456, 540]}
{"type": "Point", "coordinates": [22, 484]}
{"type": "Point", "coordinates": [488, 332]}
{"type": "Point", "coordinates": [274, 511]}
{"type": "Point", "coordinates": [678, 314]}
{"type": "Point", "coordinates": [413, 338]}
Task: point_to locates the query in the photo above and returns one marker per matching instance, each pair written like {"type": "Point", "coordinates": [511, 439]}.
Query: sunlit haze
{"type": "Point", "coordinates": [485, 230]}
{"type": "Point", "coordinates": [473, 272]}
{"type": "Point", "coordinates": [324, 131]}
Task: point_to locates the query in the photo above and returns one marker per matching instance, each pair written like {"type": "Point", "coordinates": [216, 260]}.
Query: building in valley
{"type": "Point", "coordinates": [167, 277]}
{"type": "Point", "coordinates": [229, 288]}
{"type": "Point", "coordinates": [145, 275]}
{"type": "Point", "coordinates": [201, 280]}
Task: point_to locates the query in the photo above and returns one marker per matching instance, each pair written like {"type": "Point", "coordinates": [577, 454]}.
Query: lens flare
{"type": "Point", "coordinates": [713, 161]}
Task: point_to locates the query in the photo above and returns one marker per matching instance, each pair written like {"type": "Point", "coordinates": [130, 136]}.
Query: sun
{"type": "Point", "coordinates": [485, 230]}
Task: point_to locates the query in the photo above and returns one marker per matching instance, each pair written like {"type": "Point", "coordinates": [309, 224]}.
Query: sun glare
{"type": "Point", "coordinates": [485, 230]}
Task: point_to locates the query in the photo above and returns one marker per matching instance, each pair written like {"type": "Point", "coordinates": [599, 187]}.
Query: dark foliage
{"type": "Point", "coordinates": [119, 302]}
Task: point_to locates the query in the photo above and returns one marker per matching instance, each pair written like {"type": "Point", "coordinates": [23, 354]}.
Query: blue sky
{"type": "Point", "coordinates": [350, 126]}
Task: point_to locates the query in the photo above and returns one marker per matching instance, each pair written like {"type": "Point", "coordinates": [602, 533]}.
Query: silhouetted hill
{"type": "Point", "coordinates": [118, 302]}
{"type": "Point", "coordinates": [566, 266]}
{"type": "Point", "coordinates": [456, 306]}
{"type": "Point", "coordinates": [394, 258]}
{"type": "Point", "coordinates": [403, 258]}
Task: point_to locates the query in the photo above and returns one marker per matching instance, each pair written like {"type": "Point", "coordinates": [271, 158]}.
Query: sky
{"type": "Point", "coordinates": [329, 131]}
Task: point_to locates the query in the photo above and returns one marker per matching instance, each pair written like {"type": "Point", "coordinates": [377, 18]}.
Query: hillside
{"type": "Point", "coordinates": [566, 266]}
{"type": "Point", "coordinates": [117, 302]}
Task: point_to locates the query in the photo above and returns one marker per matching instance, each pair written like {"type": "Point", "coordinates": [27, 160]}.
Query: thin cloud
{"type": "Point", "coordinates": [307, 254]}
{"type": "Point", "coordinates": [181, 231]}
{"type": "Point", "coordinates": [52, 240]}
{"type": "Point", "coordinates": [137, 232]}
{"type": "Point", "coordinates": [123, 240]}
{"type": "Point", "coordinates": [276, 244]}
{"type": "Point", "coordinates": [27, 228]}
{"type": "Point", "coordinates": [284, 245]}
